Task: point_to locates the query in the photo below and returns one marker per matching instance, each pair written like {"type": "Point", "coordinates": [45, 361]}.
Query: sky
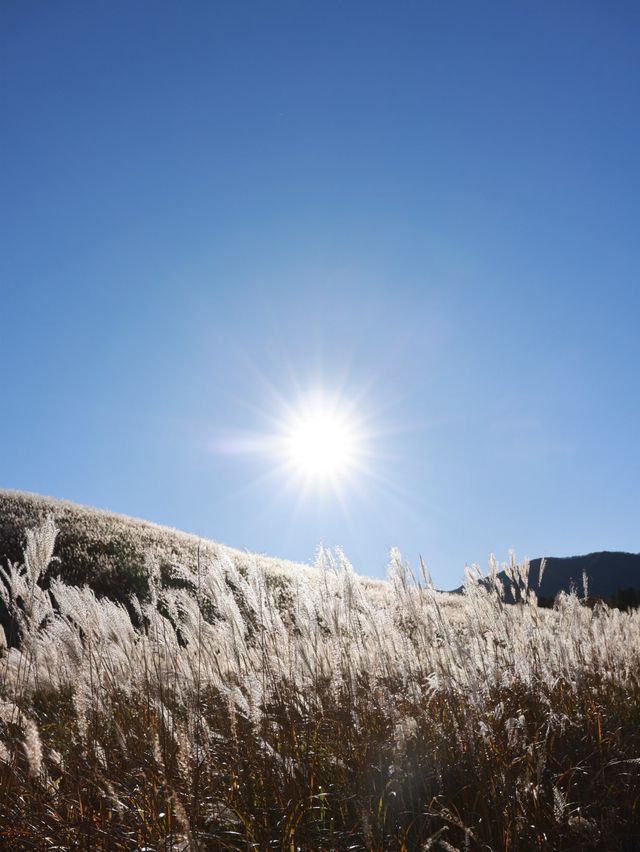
{"type": "Point", "coordinates": [424, 213]}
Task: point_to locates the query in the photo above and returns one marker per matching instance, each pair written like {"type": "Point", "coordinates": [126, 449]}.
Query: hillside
{"type": "Point", "coordinates": [239, 702]}
{"type": "Point", "coordinates": [114, 554]}
{"type": "Point", "coordinates": [609, 573]}
{"type": "Point", "coordinates": [111, 552]}
{"type": "Point", "coordinates": [107, 550]}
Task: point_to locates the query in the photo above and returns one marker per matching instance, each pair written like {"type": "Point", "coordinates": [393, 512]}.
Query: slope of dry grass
{"type": "Point", "coordinates": [237, 707]}
{"type": "Point", "coordinates": [109, 552]}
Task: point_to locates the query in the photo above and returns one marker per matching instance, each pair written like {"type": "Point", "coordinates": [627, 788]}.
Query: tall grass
{"type": "Point", "coordinates": [232, 709]}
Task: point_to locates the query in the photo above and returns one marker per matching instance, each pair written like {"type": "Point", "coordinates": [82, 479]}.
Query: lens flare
{"type": "Point", "coordinates": [321, 443]}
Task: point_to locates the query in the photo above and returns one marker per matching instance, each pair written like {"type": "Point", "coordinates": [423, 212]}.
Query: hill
{"type": "Point", "coordinates": [111, 552]}
{"type": "Point", "coordinates": [243, 702]}
{"type": "Point", "coordinates": [610, 575]}
{"type": "Point", "coordinates": [115, 555]}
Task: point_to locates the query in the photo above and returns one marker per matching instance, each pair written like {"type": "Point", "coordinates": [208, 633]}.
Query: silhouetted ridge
{"type": "Point", "coordinates": [609, 573]}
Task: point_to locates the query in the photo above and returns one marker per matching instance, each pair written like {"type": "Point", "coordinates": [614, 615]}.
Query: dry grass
{"type": "Point", "coordinates": [236, 707]}
{"type": "Point", "coordinates": [109, 552]}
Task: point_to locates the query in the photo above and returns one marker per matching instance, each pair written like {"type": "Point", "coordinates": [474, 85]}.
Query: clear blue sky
{"type": "Point", "coordinates": [432, 207]}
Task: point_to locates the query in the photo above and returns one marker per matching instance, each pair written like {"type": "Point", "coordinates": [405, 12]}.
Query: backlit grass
{"type": "Point", "coordinates": [230, 708]}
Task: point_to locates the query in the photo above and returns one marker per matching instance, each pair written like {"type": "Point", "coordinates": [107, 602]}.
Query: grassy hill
{"type": "Point", "coordinates": [111, 552]}
{"type": "Point", "coordinates": [115, 554]}
{"type": "Point", "coordinates": [170, 693]}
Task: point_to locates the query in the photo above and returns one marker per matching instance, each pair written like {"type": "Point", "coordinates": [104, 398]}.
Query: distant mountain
{"type": "Point", "coordinates": [610, 573]}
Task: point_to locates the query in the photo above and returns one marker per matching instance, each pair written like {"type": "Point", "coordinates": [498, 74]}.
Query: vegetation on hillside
{"type": "Point", "coordinates": [232, 708]}
{"type": "Point", "coordinates": [109, 552]}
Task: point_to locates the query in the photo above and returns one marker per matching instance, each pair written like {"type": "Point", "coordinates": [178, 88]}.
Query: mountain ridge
{"type": "Point", "coordinates": [609, 572]}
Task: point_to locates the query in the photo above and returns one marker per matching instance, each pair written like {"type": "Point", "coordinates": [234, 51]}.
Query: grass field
{"type": "Point", "coordinates": [187, 696]}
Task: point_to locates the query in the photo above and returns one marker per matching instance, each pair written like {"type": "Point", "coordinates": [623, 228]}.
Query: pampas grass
{"type": "Point", "coordinates": [236, 707]}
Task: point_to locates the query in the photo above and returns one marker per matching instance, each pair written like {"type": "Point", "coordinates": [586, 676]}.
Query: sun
{"type": "Point", "coordinates": [321, 443]}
